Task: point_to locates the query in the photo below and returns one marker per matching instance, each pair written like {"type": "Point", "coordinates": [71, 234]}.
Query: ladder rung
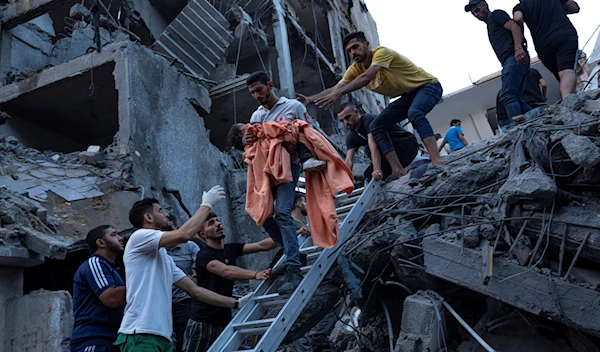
{"type": "Point", "coordinates": [266, 298]}
{"type": "Point", "coordinates": [254, 324]}
{"type": "Point", "coordinates": [270, 300]}
{"type": "Point", "coordinates": [345, 208]}
{"type": "Point", "coordinates": [305, 268]}
{"type": "Point", "coordinates": [310, 249]}
{"type": "Point", "coordinates": [313, 255]}
{"type": "Point", "coordinates": [355, 192]}
{"type": "Point", "coordinates": [254, 331]}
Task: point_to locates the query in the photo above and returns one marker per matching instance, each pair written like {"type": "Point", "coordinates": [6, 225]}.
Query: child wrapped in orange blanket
{"type": "Point", "coordinates": [269, 164]}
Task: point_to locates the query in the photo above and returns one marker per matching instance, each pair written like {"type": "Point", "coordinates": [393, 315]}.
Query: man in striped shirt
{"type": "Point", "coordinates": [98, 294]}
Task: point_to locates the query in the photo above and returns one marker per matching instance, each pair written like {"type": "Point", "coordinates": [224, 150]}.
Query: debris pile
{"type": "Point", "coordinates": [509, 237]}
{"type": "Point", "coordinates": [48, 200]}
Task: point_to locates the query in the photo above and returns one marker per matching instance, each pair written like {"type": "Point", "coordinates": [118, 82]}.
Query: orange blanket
{"type": "Point", "coordinates": [269, 165]}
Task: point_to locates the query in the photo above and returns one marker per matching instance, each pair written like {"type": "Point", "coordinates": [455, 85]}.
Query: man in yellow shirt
{"type": "Point", "coordinates": [386, 72]}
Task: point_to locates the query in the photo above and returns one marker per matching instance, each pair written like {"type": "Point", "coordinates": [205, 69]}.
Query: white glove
{"type": "Point", "coordinates": [212, 197]}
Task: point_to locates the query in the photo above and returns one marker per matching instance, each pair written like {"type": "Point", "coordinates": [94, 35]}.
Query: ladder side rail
{"type": "Point", "coordinates": [298, 300]}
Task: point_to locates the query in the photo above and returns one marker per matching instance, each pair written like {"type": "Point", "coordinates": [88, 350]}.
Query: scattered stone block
{"type": "Point", "coordinates": [94, 149]}
{"type": "Point", "coordinates": [12, 140]}
{"type": "Point", "coordinates": [471, 236]}
{"type": "Point", "coordinates": [581, 150]}
{"type": "Point", "coordinates": [533, 183]}
{"type": "Point", "coordinates": [53, 247]}
{"type": "Point", "coordinates": [40, 321]}
{"type": "Point", "coordinates": [420, 326]}
{"type": "Point", "coordinates": [91, 158]}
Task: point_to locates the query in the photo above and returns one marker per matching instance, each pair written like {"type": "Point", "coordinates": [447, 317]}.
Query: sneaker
{"type": "Point", "coordinates": [313, 164]}
{"type": "Point", "coordinates": [292, 280]}
{"type": "Point", "coordinates": [281, 270]}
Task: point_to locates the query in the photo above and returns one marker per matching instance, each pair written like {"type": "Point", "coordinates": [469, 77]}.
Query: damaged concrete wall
{"type": "Point", "coordinates": [12, 286]}
{"type": "Point", "coordinates": [43, 321]}
{"type": "Point", "coordinates": [169, 142]}
{"type": "Point", "coordinates": [30, 46]}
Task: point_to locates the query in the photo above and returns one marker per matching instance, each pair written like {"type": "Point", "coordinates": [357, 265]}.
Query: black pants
{"type": "Point", "coordinates": [180, 319]}
{"type": "Point", "coordinates": [406, 149]}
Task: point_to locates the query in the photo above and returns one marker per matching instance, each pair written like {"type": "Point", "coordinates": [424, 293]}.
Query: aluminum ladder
{"type": "Point", "coordinates": [250, 321]}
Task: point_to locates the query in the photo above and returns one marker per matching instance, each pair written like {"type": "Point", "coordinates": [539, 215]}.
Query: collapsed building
{"type": "Point", "coordinates": [107, 102]}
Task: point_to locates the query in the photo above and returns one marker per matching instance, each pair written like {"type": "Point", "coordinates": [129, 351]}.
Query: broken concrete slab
{"type": "Point", "coordinates": [51, 246]}
{"type": "Point", "coordinates": [44, 321]}
{"type": "Point", "coordinates": [554, 299]}
{"type": "Point", "coordinates": [533, 183]}
{"type": "Point", "coordinates": [581, 150]}
{"type": "Point", "coordinates": [19, 257]}
{"type": "Point", "coordinates": [420, 330]}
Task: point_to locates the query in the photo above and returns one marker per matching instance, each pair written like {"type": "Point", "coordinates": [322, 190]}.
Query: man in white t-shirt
{"type": "Point", "coordinates": [147, 324]}
{"type": "Point", "coordinates": [439, 140]}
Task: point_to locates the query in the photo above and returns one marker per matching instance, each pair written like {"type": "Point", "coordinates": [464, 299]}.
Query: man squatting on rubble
{"type": "Point", "coordinates": [280, 227]}
{"type": "Point", "coordinates": [385, 71]}
{"type": "Point", "coordinates": [405, 143]}
{"type": "Point", "coordinates": [184, 256]}
{"type": "Point", "coordinates": [147, 323]}
{"type": "Point", "coordinates": [506, 38]}
{"type": "Point", "coordinates": [216, 271]}
{"type": "Point", "coordinates": [554, 36]}
{"type": "Point", "coordinates": [98, 294]}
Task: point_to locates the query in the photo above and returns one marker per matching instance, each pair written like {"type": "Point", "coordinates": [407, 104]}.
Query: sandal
{"type": "Point", "coordinates": [431, 174]}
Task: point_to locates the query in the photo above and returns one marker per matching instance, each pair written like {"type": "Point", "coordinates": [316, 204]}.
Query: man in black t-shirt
{"type": "Point", "coordinates": [534, 96]}
{"type": "Point", "coordinates": [359, 135]}
{"type": "Point", "coordinates": [554, 36]}
{"type": "Point", "coordinates": [507, 40]}
{"type": "Point", "coordinates": [216, 270]}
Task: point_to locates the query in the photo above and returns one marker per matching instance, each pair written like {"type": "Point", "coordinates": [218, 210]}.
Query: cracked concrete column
{"type": "Point", "coordinates": [336, 39]}
{"type": "Point", "coordinates": [284, 59]}
{"type": "Point", "coordinates": [5, 52]}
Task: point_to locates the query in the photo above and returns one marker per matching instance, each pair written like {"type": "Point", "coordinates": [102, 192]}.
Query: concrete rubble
{"type": "Point", "coordinates": [532, 202]}
{"type": "Point", "coordinates": [99, 111]}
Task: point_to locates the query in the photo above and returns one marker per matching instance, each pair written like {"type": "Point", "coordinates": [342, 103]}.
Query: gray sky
{"type": "Point", "coordinates": [451, 44]}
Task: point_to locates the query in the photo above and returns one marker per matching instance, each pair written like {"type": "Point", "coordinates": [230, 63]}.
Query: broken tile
{"type": "Point", "coordinates": [77, 173]}
{"type": "Point", "coordinates": [67, 194]}
{"type": "Point", "coordinates": [54, 171]}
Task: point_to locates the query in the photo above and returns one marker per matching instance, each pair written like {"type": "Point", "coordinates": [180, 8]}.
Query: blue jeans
{"type": "Point", "coordinates": [513, 85]}
{"type": "Point", "coordinates": [412, 106]}
{"type": "Point", "coordinates": [281, 226]}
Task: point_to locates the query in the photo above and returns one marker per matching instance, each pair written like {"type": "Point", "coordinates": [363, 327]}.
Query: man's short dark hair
{"type": "Point", "coordinates": [438, 136]}
{"type": "Point", "coordinates": [360, 36]}
{"type": "Point", "coordinates": [259, 76]}
{"type": "Point", "coordinates": [346, 105]}
{"type": "Point", "coordinates": [453, 122]}
{"type": "Point", "coordinates": [93, 235]}
{"type": "Point", "coordinates": [141, 207]}
{"type": "Point", "coordinates": [298, 197]}
{"type": "Point", "coordinates": [211, 215]}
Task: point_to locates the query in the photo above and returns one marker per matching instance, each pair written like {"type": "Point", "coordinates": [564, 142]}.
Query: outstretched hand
{"type": "Point", "coordinates": [213, 197]}
{"type": "Point", "coordinates": [328, 100]}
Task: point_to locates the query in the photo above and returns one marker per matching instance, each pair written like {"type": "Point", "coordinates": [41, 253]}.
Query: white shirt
{"type": "Point", "coordinates": [444, 150]}
{"type": "Point", "coordinates": [150, 274]}
{"type": "Point", "coordinates": [284, 110]}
